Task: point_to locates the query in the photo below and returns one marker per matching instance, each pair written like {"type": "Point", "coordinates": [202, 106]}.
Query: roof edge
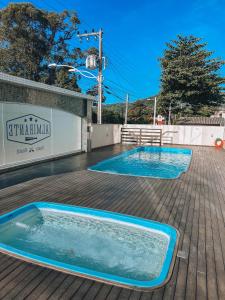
{"type": "Point", "coordinates": [42, 86]}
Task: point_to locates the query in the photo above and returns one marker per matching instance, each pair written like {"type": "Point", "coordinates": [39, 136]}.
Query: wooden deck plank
{"type": "Point", "coordinates": [93, 291]}
{"type": "Point", "coordinates": [194, 203]}
{"type": "Point", "coordinates": [31, 286]}
{"type": "Point", "coordinates": [62, 288]}
{"type": "Point", "coordinates": [104, 292]}
{"type": "Point", "coordinates": [83, 289]}
{"type": "Point", "coordinates": [46, 293]}
{"type": "Point", "coordinates": [185, 230]}
{"type": "Point", "coordinates": [175, 220]}
{"type": "Point", "coordinates": [135, 295]}
{"type": "Point", "coordinates": [43, 285]}
{"type": "Point", "coordinates": [74, 287]}
{"type": "Point", "coordinates": [210, 256]}
{"type": "Point", "coordinates": [219, 262]}
{"type": "Point", "coordinates": [22, 282]}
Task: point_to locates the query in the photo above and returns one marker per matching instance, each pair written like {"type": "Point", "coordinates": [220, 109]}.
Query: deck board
{"type": "Point", "coordinates": [194, 204]}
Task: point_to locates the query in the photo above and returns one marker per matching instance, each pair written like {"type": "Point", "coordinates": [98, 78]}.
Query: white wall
{"type": "Point", "coordinates": [188, 135]}
{"type": "Point", "coordinates": [109, 134]}
{"type": "Point", "coordinates": [66, 133]}
{"type": "Point", "coordinates": [31, 133]}
{"type": "Point", "coordinates": [1, 135]}
{"type": "Point", "coordinates": [105, 134]}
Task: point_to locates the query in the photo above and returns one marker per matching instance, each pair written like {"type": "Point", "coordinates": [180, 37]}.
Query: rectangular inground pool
{"type": "Point", "coordinates": [104, 246]}
{"type": "Point", "coordinates": [155, 162]}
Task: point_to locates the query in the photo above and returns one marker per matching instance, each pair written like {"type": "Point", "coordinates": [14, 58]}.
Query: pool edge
{"type": "Point", "coordinates": [90, 168]}
{"type": "Point", "coordinates": [36, 261]}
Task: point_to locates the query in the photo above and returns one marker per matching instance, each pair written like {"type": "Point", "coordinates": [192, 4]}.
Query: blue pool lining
{"type": "Point", "coordinates": [166, 229]}
{"type": "Point", "coordinates": [143, 148]}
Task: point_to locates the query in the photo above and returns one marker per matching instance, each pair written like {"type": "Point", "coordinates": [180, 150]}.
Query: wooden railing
{"type": "Point", "coordinates": [141, 136]}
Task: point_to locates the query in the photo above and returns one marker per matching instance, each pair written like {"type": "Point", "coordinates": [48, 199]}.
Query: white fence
{"type": "Point", "coordinates": [105, 134]}
{"type": "Point", "coordinates": [187, 135]}
{"type": "Point", "coordinates": [109, 134]}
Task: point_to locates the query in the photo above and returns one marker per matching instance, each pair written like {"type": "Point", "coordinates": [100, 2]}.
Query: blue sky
{"type": "Point", "coordinates": [135, 33]}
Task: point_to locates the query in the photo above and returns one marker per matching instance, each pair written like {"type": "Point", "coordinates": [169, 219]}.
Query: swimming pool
{"type": "Point", "coordinates": [104, 246]}
{"type": "Point", "coordinates": [156, 162]}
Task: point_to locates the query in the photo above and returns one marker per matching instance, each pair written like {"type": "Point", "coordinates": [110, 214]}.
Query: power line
{"type": "Point", "coordinates": [118, 92]}
{"type": "Point", "coordinates": [117, 71]}
{"type": "Point", "coordinates": [122, 93]}
{"type": "Point", "coordinates": [107, 87]}
{"type": "Point", "coordinates": [120, 59]}
{"type": "Point", "coordinates": [123, 88]}
{"type": "Point", "coordinates": [115, 95]}
{"type": "Point", "coordinates": [117, 58]}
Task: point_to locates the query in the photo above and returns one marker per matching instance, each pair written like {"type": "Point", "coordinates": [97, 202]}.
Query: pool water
{"type": "Point", "coordinates": [87, 242]}
{"type": "Point", "coordinates": [94, 243]}
{"type": "Point", "coordinates": [156, 162]}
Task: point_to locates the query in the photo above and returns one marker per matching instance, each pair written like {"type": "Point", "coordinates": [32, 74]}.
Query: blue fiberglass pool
{"type": "Point", "coordinates": [156, 162]}
{"type": "Point", "coordinates": [104, 246]}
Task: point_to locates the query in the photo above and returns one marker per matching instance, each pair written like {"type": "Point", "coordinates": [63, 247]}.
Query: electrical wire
{"type": "Point", "coordinates": [121, 93]}
{"type": "Point", "coordinates": [122, 88]}
{"type": "Point", "coordinates": [117, 58]}
{"type": "Point", "coordinates": [121, 75]}
{"type": "Point", "coordinates": [115, 95]}
{"type": "Point", "coordinates": [111, 89]}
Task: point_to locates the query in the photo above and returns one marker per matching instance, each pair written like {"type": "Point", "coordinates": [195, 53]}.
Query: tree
{"type": "Point", "coordinates": [66, 80]}
{"type": "Point", "coordinates": [93, 91]}
{"type": "Point", "coordinates": [108, 116]}
{"type": "Point", "coordinates": [30, 38]}
{"type": "Point", "coordinates": [190, 76]}
{"type": "Point", "coordinates": [140, 112]}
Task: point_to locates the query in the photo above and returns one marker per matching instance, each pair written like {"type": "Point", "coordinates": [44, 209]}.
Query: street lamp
{"type": "Point", "coordinates": [73, 69]}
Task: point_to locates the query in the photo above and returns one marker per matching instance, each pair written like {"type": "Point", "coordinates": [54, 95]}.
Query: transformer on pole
{"type": "Point", "coordinates": [91, 62]}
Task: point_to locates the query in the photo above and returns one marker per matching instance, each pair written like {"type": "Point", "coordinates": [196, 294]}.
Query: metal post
{"type": "Point", "coordinates": [126, 109]}
{"type": "Point", "coordinates": [140, 139]}
{"type": "Point", "coordinates": [155, 104]}
{"type": "Point", "coordinates": [99, 119]}
{"type": "Point", "coordinates": [169, 117]}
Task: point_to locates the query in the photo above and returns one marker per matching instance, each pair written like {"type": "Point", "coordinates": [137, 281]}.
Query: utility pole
{"type": "Point", "coordinates": [99, 119]}
{"type": "Point", "coordinates": [97, 34]}
{"type": "Point", "coordinates": [169, 117]}
{"type": "Point", "coordinates": [154, 117]}
{"type": "Point", "coordinates": [126, 109]}
{"type": "Point", "coordinates": [155, 108]}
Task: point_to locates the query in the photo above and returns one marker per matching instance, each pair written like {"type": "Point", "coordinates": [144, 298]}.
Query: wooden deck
{"type": "Point", "coordinates": [194, 203]}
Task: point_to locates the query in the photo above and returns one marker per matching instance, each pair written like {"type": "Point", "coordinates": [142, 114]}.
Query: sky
{"type": "Point", "coordinates": [136, 33]}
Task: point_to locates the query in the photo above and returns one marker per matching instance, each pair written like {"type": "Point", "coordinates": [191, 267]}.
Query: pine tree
{"type": "Point", "coordinates": [190, 76]}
